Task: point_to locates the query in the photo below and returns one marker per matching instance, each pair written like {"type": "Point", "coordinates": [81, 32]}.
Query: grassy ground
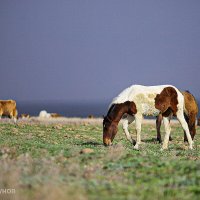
{"type": "Point", "coordinates": [44, 162]}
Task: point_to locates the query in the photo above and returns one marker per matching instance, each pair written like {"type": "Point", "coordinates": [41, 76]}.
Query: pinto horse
{"type": "Point", "coordinates": [137, 101]}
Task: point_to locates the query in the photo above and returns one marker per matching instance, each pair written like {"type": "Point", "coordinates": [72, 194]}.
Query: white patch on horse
{"type": "Point", "coordinates": [146, 104]}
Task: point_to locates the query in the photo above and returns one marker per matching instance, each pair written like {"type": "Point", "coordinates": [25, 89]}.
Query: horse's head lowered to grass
{"type": "Point", "coordinates": [111, 120]}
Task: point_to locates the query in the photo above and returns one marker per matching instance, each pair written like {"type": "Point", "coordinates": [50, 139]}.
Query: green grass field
{"type": "Point", "coordinates": [44, 162]}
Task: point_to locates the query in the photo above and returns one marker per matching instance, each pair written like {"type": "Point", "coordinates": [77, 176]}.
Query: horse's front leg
{"type": "Point", "coordinates": [128, 120]}
{"type": "Point", "coordinates": [138, 123]}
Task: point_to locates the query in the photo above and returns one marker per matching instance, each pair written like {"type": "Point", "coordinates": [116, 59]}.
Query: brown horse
{"type": "Point", "coordinates": [190, 114]}
{"type": "Point", "coordinates": [8, 108]}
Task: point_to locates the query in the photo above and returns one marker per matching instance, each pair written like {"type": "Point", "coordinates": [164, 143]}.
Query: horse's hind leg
{"type": "Point", "coordinates": [158, 125]}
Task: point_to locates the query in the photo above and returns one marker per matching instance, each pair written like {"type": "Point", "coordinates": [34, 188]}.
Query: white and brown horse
{"type": "Point", "coordinates": [138, 101]}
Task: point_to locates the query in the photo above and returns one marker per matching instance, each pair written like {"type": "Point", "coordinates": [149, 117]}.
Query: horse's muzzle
{"type": "Point", "coordinates": [107, 142]}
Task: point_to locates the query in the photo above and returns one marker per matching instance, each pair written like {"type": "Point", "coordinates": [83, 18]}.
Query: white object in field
{"type": "Point", "coordinates": [44, 114]}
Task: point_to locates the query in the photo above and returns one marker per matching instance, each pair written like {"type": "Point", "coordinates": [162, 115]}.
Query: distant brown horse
{"type": "Point", "coordinates": [8, 108]}
{"type": "Point", "coordinates": [190, 114]}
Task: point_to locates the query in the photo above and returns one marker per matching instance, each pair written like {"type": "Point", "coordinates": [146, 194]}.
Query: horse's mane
{"type": "Point", "coordinates": [110, 109]}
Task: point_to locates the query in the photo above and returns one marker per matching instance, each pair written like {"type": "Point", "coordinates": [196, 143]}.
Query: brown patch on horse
{"type": "Point", "coordinates": [113, 117]}
{"type": "Point", "coordinates": [167, 101]}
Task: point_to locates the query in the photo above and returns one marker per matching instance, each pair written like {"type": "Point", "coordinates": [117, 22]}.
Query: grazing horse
{"type": "Point", "coordinates": [190, 113]}
{"type": "Point", "coordinates": [137, 101]}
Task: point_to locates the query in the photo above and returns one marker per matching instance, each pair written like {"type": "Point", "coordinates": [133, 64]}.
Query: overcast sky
{"type": "Point", "coordinates": [90, 50]}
